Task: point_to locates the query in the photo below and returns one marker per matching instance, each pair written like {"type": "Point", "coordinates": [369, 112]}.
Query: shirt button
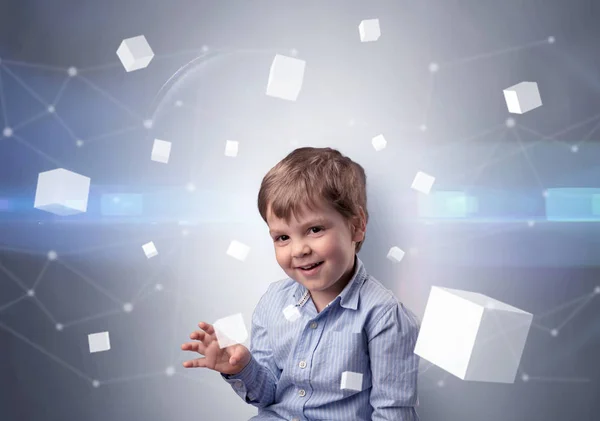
{"type": "Point", "coordinates": [302, 392]}
{"type": "Point", "coordinates": [313, 325]}
{"type": "Point", "coordinates": [302, 364]}
{"type": "Point", "coordinates": [238, 384]}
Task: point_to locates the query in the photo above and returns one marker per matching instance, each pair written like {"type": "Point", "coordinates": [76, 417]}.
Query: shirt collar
{"type": "Point", "coordinates": [349, 295]}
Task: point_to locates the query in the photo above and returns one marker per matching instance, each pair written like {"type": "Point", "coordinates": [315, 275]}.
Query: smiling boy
{"type": "Point", "coordinates": [349, 353]}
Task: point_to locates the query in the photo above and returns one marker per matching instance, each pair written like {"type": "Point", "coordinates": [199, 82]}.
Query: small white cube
{"type": "Point", "coordinates": [62, 192]}
{"type": "Point", "coordinates": [230, 330]}
{"type": "Point", "coordinates": [285, 77]}
{"type": "Point", "coordinates": [396, 254]}
{"type": "Point", "coordinates": [161, 150]}
{"type": "Point", "coordinates": [238, 250]}
{"type": "Point", "coordinates": [150, 249]}
{"type": "Point", "coordinates": [135, 53]}
{"type": "Point", "coordinates": [472, 336]}
{"type": "Point", "coordinates": [379, 142]}
{"type": "Point", "coordinates": [351, 381]}
{"type": "Point", "coordinates": [231, 148]}
{"type": "Point", "coordinates": [369, 30]}
{"type": "Point", "coordinates": [522, 97]}
{"type": "Point", "coordinates": [423, 182]}
{"type": "Point", "coordinates": [291, 313]}
{"type": "Point", "coordinates": [99, 342]}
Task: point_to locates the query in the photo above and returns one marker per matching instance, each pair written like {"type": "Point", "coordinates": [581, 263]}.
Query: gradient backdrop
{"type": "Point", "coordinates": [532, 240]}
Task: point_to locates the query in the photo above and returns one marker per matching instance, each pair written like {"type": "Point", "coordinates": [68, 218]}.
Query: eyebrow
{"type": "Point", "coordinates": [318, 221]}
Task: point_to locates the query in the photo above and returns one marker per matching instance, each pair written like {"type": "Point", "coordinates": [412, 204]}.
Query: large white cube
{"type": "Point", "coordinates": [396, 254]}
{"type": "Point", "coordinates": [62, 192]}
{"type": "Point", "coordinates": [231, 148]}
{"type": "Point", "coordinates": [238, 250]}
{"type": "Point", "coordinates": [135, 53]}
{"type": "Point", "coordinates": [351, 381]}
{"type": "Point", "coordinates": [99, 342]}
{"type": "Point", "coordinates": [472, 336]}
{"type": "Point", "coordinates": [291, 313]}
{"type": "Point", "coordinates": [150, 249]}
{"type": "Point", "coordinates": [230, 330]}
{"type": "Point", "coordinates": [161, 150]}
{"type": "Point", "coordinates": [522, 97]}
{"type": "Point", "coordinates": [369, 30]}
{"type": "Point", "coordinates": [285, 77]}
{"type": "Point", "coordinates": [379, 142]}
{"type": "Point", "coordinates": [423, 182]}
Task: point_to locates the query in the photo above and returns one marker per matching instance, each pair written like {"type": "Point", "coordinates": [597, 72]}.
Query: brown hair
{"type": "Point", "coordinates": [309, 175]}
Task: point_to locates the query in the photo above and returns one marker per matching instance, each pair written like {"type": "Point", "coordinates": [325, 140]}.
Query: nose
{"type": "Point", "coordinates": [300, 248]}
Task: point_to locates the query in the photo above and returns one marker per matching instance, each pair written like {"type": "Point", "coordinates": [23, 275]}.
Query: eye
{"type": "Point", "coordinates": [317, 228]}
{"type": "Point", "coordinates": [278, 238]}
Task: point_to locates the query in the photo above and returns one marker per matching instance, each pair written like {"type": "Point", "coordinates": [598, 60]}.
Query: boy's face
{"type": "Point", "coordinates": [319, 235]}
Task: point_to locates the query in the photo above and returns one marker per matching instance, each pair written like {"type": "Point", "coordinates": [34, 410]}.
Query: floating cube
{"type": "Point", "coordinates": [395, 254]}
{"type": "Point", "coordinates": [62, 192]}
{"type": "Point", "coordinates": [230, 330]}
{"type": "Point", "coordinates": [379, 142]}
{"type": "Point", "coordinates": [423, 182]}
{"type": "Point", "coordinates": [522, 97]}
{"type": "Point", "coordinates": [99, 342]}
{"type": "Point", "coordinates": [369, 30]}
{"type": "Point", "coordinates": [231, 148]}
{"type": "Point", "coordinates": [150, 249]}
{"type": "Point", "coordinates": [238, 250]}
{"type": "Point", "coordinates": [161, 150]}
{"type": "Point", "coordinates": [472, 336]}
{"type": "Point", "coordinates": [285, 77]}
{"type": "Point", "coordinates": [351, 381]}
{"type": "Point", "coordinates": [135, 53]}
{"type": "Point", "coordinates": [291, 313]}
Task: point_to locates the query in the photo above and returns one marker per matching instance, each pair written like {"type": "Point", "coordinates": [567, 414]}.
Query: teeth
{"type": "Point", "coordinates": [309, 267]}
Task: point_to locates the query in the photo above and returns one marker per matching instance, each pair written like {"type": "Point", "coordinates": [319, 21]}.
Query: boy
{"type": "Point", "coordinates": [315, 204]}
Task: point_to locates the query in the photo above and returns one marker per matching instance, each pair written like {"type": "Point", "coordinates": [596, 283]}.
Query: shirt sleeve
{"type": "Point", "coordinates": [257, 382]}
{"type": "Point", "coordinates": [391, 345]}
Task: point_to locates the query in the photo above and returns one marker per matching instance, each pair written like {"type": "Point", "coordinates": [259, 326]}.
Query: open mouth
{"type": "Point", "coordinates": [311, 267]}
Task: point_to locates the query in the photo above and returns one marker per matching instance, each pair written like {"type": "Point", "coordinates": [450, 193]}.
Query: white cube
{"type": "Point", "coordinates": [291, 313]}
{"type": "Point", "coordinates": [99, 342]}
{"type": "Point", "coordinates": [150, 249]}
{"type": "Point", "coordinates": [423, 182]}
{"type": "Point", "coordinates": [396, 254]}
{"type": "Point", "coordinates": [135, 53]}
{"type": "Point", "coordinates": [472, 336]}
{"type": "Point", "coordinates": [231, 148]}
{"type": "Point", "coordinates": [230, 330]}
{"type": "Point", "coordinates": [379, 142]}
{"type": "Point", "coordinates": [522, 97]}
{"type": "Point", "coordinates": [351, 381]}
{"type": "Point", "coordinates": [161, 150]}
{"type": "Point", "coordinates": [238, 250]}
{"type": "Point", "coordinates": [285, 77]}
{"type": "Point", "coordinates": [62, 192]}
{"type": "Point", "coordinates": [369, 30]}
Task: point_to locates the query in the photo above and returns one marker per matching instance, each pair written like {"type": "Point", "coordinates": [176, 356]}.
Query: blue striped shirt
{"type": "Point", "coordinates": [295, 372]}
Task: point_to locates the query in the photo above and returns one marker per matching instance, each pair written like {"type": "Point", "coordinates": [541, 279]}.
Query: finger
{"type": "Point", "coordinates": [197, 334]}
{"type": "Point", "coordinates": [212, 350]}
{"type": "Point", "coordinates": [207, 328]}
{"type": "Point", "coordinates": [196, 363]}
{"type": "Point", "coordinates": [194, 346]}
{"type": "Point", "coordinates": [236, 356]}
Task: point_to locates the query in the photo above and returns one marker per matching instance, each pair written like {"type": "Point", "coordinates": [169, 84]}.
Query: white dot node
{"type": "Point", "coordinates": [158, 287]}
{"type": "Point", "coordinates": [79, 143]}
{"type": "Point", "coordinates": [179, 103]}
{"type": "Point", "coordinates": [205, 48]}
{"type": "Point", "coordinates": [597, 290]}
{"type": "Point", "coordinates": [554, 332]}
{"type": "Point", "coordinates": [31, 293]}
{"type": "Point", "coordinates": [434, 67]}
{"type": "Point", "coordinates": [170, 371]}
{"type": "Point", "coordinates": [440, 383]}
{"type": "Point", "coordinates": [95, 383]}
{"type": "Point", "coordinates": [52, 255]}
{"type": "Point", "coordinates": [530, 223]}
{"type": "Point", "coordinates": [72, 71]}
{"type": "Point", "coordinates": [545, 193]}
{"type": "Point", "coordinates": [574, 148]}
{"type": "Point", "coordinates": [116, 199]}
{"type": "Point", "coordinates": [51, 109]}
{"type": "Point", "coordinates": [525, 377]}
{"type": "Point", "coordinates": [190, 187]}
{"type": "Point", "coordinates": [148, 123]}
{"type": "Point", "coordinates": [293, 52]}
{"type": "Point", "coordinates": [423, 127]}
{"type": "Point", "coordinates": [128, 307]}
{"type": "Point", "coordinates": [7, 132]}
{"type": "Point", "coordinates": [551, 40]}
{"type": "Point", "coordinates": [510, 122]}
{"type": "Point", "coordinates": [59, 327]}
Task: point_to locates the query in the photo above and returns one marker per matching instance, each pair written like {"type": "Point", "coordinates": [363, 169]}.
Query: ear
{"type": "Point", "coordinates": [359, 226]}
